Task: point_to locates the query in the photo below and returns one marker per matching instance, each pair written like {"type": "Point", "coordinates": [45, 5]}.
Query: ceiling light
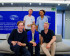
{"type": "Point", "coordinates": [67, 4]}
{"type": "Point", "coordinates": [39, 3]}
{"type": "Point", "coordinates": [11, 3]}
{"type": "Point", "coordinates": [2, 3]}
{"type": "Point", "coordinates": [30, 3]}
{"type": "Point", "coordinates": [58, 4]}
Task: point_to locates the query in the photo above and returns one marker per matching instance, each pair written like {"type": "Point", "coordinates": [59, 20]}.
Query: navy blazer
{"type": "Point", "coordinates": [36, 36]}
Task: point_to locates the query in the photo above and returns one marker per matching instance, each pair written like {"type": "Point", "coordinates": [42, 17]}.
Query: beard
{"type": "Point", "coordinates": [45, 28]}
{"type": "Point", "coordinates": [20, 30]}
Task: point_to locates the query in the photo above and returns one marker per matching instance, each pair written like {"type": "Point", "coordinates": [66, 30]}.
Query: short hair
{"type": "Point", "coordinates": [43, 11]}
{"type": "Point", "coordinates": [31, 9]}
{"type": "Point", "coordinates": [32, 25]}
{"type": "Point", "coordinates": [46, 23]}
{"type": "Point", "coordinates": [20, 22]}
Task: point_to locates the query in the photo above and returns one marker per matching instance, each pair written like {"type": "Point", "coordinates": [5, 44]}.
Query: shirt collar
{"type": "Point", "coordinates": [34, 33]}
{"type": "Point", "coordinates": [18, 31]}
{"type": "Point", "coordinates": [40, 17]}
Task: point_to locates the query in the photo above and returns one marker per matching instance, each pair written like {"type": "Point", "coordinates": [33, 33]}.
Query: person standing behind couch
{"type": "Point", "coordinates": [48, 40]}
{"type": "Point", "coordinates": [18, 39]}
{"type": "Point", "coordinates": [41, 20]}
{"type": "Point", "coordinates": [33, 40]}
{"type": "Point", "coordinates": [28, 20]}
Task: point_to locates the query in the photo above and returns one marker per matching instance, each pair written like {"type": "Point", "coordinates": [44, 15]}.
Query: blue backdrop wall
{"type": "Point", "coordinates": [9, 19]}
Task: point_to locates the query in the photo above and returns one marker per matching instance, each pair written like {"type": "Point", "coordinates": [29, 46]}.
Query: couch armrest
{"type": "Point", "coordinates": [58, 38]}
{"type": "Point", "coordinates": [3, 36]}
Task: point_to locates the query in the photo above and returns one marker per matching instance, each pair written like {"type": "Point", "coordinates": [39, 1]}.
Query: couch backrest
{"type": "Point", "coordinates": [58, 38]}
{"type": "Point", "coordinates": [3, 36]}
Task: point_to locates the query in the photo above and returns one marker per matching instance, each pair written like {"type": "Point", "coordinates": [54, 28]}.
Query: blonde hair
{"type": "Point", "coordinates": [32, 25]}
{"type": "Point", "coordinates": [31, 9]}
{"type": "Point", "coordinates": [46, 23]}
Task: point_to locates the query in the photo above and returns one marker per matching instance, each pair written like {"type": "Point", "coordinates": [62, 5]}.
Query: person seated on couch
{"type": "Point", "coordinates": [48, 40]}
{"type": "Point", "coordinates": [33, 39]}
{"type": "Point", "coordinates": [18, 39]}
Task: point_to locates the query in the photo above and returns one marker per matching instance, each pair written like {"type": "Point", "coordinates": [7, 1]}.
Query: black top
{"type": "Point", "coordinates": [47, 37]}
{"type": "Point", "coordinates": [16, 36]}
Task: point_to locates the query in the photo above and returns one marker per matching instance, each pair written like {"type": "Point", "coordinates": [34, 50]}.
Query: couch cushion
{"type": "Point", "coordinates": [58, 38]}
{"type": "Point", "coordinates": [61, 47]}
{"type": "Point", "coordinates": [8, 36]}
{"type": "Point", "coordinates": [4, 46]}
{"type": "Point", "coordinates": [3, 36]}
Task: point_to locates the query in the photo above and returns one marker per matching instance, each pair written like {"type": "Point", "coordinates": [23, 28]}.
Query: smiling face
{"type": "Point", "coordinates": [30, 12]}
{"type": "Point", "coordinates": [41, 13]}
{"type": "Point", "coordinates": [33, 28]}
{"type": "Point", "coordinates": [46, 26]}
{"type": "Point", "coordinates": [20, 26]}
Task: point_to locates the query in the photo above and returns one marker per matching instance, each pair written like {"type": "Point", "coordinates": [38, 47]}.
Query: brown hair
{"type": "Point", "coordinates": [31, 9]}
{"type": "Point", "coordinates": [32, 25]}
{"type": "Point", "coordinates": [46, 23]}
{"type": "Point", "coordinates": [20, 22]}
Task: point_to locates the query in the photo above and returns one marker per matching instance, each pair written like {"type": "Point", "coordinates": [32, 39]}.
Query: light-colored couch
{"type": "Point", "coordinates": [61, 48]}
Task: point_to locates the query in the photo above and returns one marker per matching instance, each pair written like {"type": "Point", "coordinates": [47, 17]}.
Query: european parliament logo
{"type": "Point", "coordinates": [14, 17]}
{"type": "Point", "coordinates": [1, 17]}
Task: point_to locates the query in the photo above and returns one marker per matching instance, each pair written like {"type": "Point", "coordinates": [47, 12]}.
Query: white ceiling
{"type": "Point", "coordinates": [35, 1]}
{"type": "Point", "coordinates": [59, 4]}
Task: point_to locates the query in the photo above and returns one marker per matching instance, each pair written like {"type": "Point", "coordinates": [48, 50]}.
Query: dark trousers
{"type": "Point", "coordinates": [20, 50]}
{"type": "Point", "coordinates": [37, 49]}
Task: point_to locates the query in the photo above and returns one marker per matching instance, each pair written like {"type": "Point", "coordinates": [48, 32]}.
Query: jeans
{"type": "Point", "coordinates": [20, 50]}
